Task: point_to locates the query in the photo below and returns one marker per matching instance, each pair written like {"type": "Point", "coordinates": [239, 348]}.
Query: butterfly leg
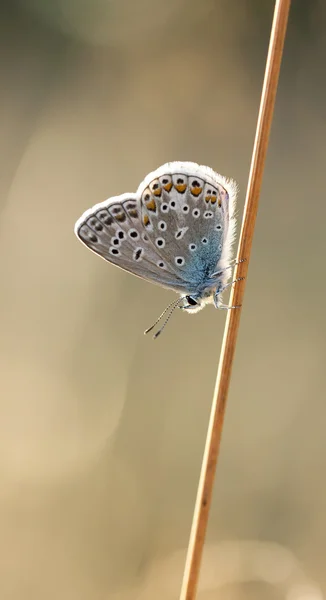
{"type": "Point", "coordinates": [216, 297]}
{"type": "Point", "coordinates": [229, 267]}
{"type": "Point", "coordinates": [226, 307]}
{"type": "Point", "coordinates": [237, 262]}
{"type": "Point", "coordinates": [229, 284]}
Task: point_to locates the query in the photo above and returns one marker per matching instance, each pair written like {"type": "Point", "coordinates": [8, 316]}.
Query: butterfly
{"type": "Point", "coordinates": [177, 231]}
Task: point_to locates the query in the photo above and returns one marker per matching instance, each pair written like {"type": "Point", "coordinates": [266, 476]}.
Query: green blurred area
{"type": "Point", "coordinates": [102, 430]}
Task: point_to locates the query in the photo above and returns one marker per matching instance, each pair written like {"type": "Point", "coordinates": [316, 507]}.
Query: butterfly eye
{"type": "Point", "coordinates": [191, 301]}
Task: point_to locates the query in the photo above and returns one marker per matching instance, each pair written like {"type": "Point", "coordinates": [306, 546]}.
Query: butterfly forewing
{"type": "Point", "coordinates": [113, 230]}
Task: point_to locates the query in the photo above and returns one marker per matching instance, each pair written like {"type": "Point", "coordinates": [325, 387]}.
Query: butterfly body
{"type": "Point", "coordinates": [177, 231]}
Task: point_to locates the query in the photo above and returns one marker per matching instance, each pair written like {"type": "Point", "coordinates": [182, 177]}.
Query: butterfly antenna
{"type": "Point", "coordinates": [168, 318]}
{"type": "Point", "coordinates": [174, 304]}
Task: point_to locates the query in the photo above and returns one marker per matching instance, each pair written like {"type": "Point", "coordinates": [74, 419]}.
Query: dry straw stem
{"type": "Point", "coordinates": [205, 487]}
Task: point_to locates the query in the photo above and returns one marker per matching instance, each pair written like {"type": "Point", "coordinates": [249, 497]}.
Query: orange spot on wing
{"type": "Point", "coordinates": [151, 205]}
{"type": "Point", "coordinates": [181, 187]}
{"type": "Point", "coordinates": [168, 186]}
{"type": "Point", "coordinates": [120, 217]}
{"type": "Point", "coordinates": [196, 191]}
{"type": "Point", "coordinates": [211, 199]}
{"type": "Point", "coordinates": [146, 220]}
{"type": "Point", "coordinates": [157, 192]}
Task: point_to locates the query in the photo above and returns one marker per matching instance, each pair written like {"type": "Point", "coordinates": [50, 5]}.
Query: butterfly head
{"type": "Point", "coordinates": [193, 303]}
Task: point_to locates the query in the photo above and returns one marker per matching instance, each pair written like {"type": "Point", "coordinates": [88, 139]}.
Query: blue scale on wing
{"type": "Point", "coordinates": [208, 229]}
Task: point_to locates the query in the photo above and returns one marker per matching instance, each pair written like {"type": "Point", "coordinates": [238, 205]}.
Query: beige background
{"type": "Point", "coordinates": [101, 429]}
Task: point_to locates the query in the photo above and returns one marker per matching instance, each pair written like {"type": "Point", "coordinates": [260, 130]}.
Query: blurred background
{"type": "Point", "coordinates": [101, 429]}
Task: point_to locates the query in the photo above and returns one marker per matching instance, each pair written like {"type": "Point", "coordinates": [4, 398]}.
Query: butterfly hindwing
{"type": "Point", "coordinates": [186, 211]}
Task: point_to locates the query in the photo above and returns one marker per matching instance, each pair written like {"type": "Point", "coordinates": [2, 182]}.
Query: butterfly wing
{"type": "Point", "coordinates": [175, 231]}
{"type": "Point", "coordinates": [113, 230]}
{"type": "Point", "coordinates": [188, 212]}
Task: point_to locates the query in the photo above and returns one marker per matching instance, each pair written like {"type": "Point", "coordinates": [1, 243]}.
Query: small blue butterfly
{"type": "Point", "coordinates": [176, 231]}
